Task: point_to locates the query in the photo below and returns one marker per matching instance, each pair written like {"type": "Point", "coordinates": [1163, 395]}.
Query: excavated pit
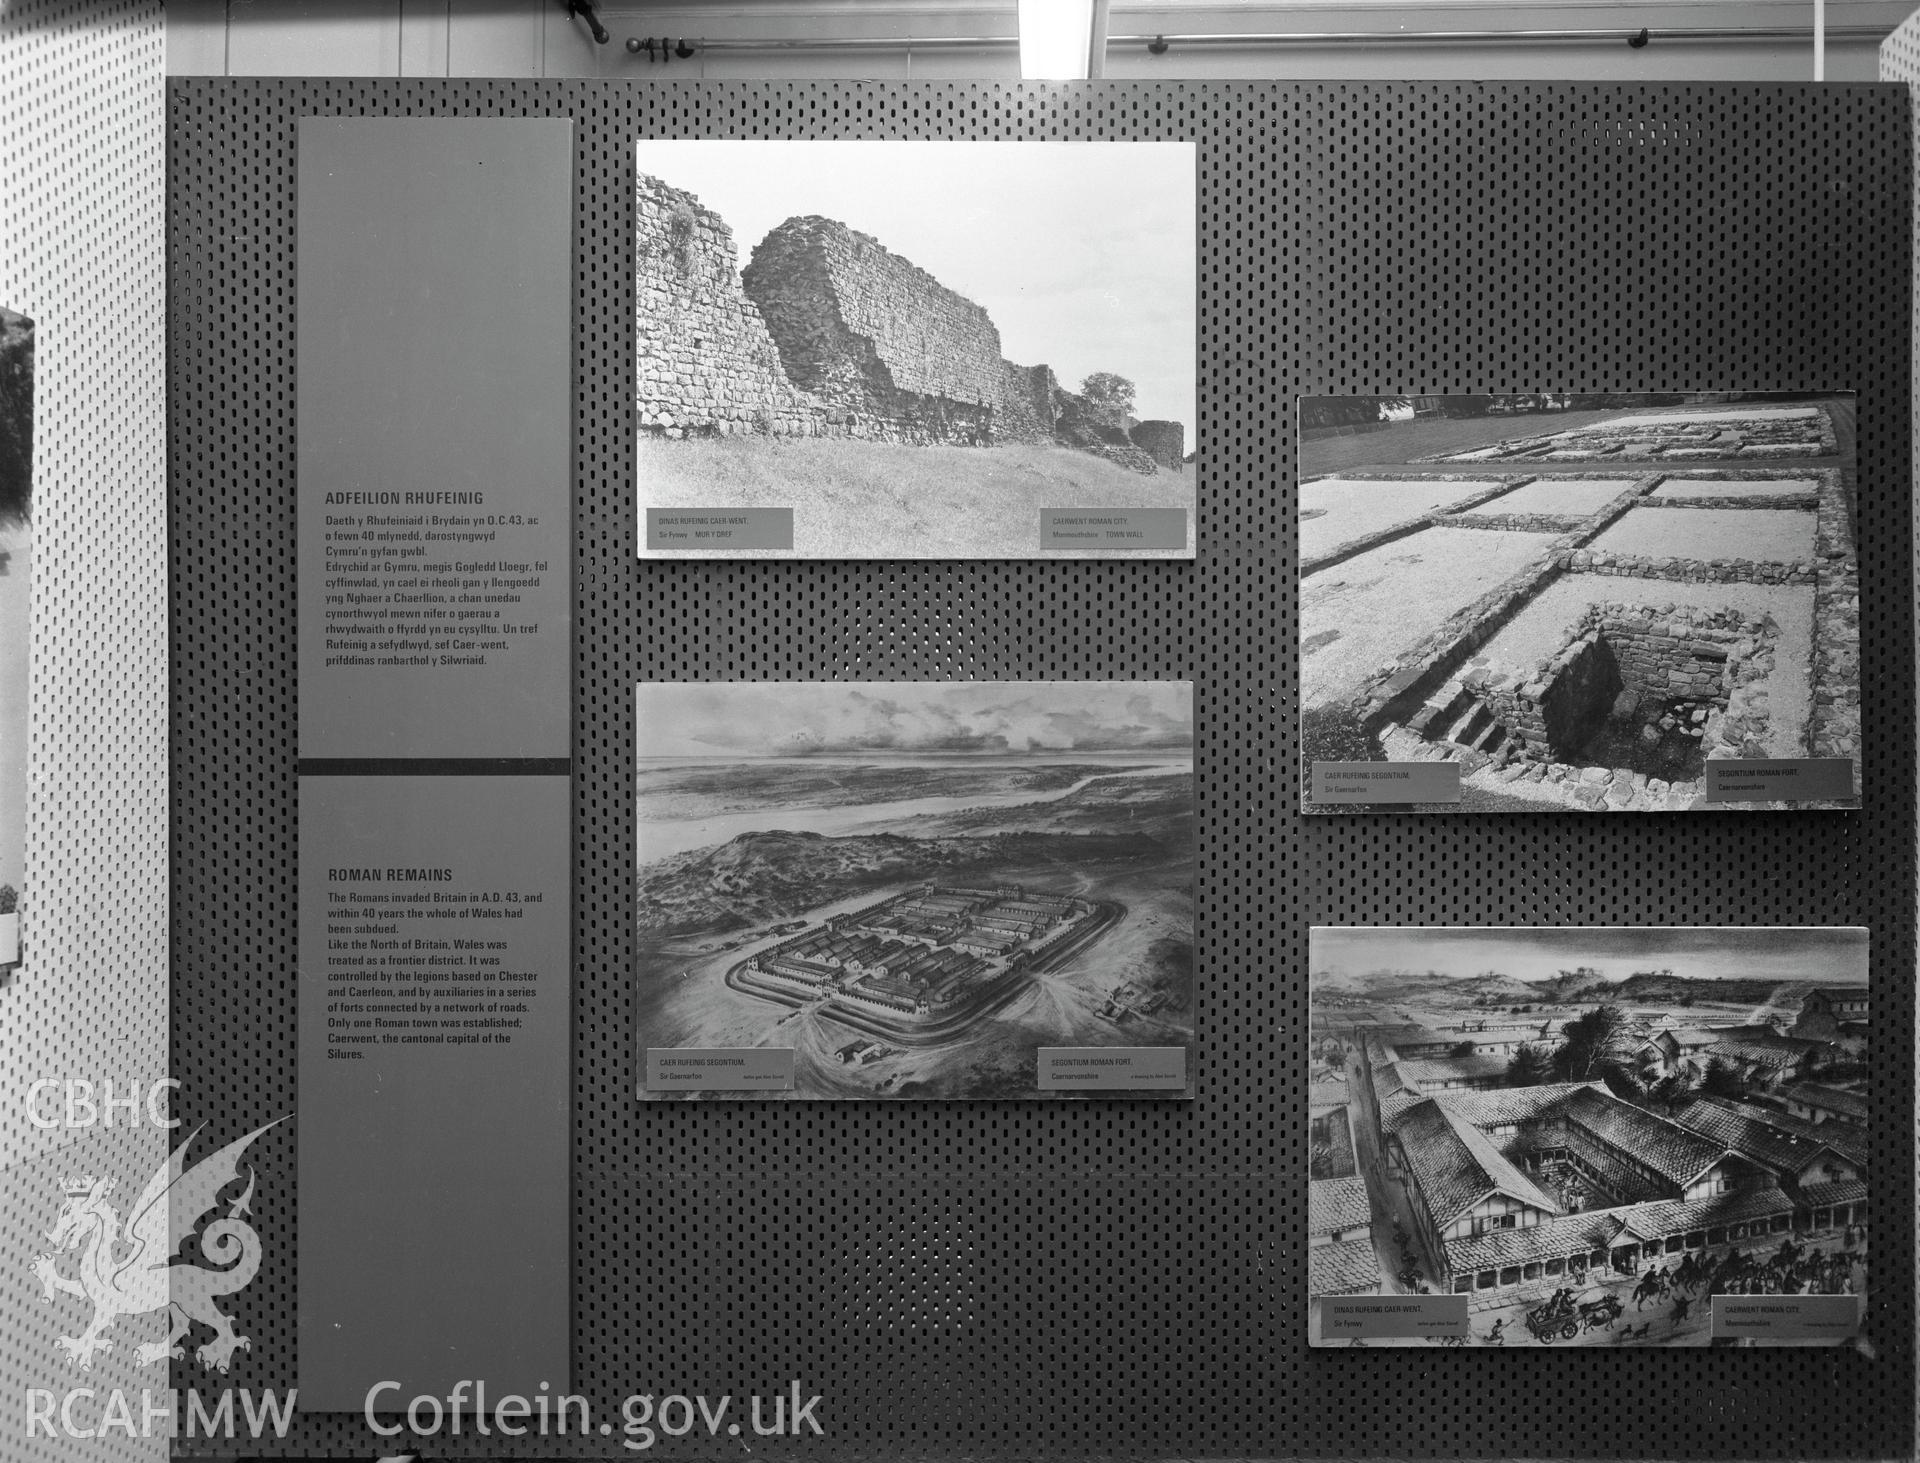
{"type": "Point", "coordinates": [1638, 697]}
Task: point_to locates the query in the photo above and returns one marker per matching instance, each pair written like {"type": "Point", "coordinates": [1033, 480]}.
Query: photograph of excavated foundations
{"type": "Point", "coordinates": [1581, 616]}
{"type": "Point", "coordinates": [915, 346]}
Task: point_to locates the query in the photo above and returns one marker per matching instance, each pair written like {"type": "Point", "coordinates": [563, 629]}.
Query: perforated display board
{"type": "Point", "coordinates": [82, 183]}
{"type": "Point", "coordinates": [1068, 1279]}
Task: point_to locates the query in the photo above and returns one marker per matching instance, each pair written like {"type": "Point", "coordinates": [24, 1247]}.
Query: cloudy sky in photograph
{"type": "Point", "coordinates": [1082, 252]}
{"type": "Point", "coordinates": [1706, 953]}
{"type": "Point", "coordinates": [811, 718]}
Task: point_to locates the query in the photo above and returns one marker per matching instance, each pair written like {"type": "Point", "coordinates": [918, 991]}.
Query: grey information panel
{"type": "Point", "coordinates": [1346, 1317]}
{"type": "Point", "coordinates": [720, 1069]}
{"type": "Point", "coordinates": [435, 376]}
{"type": "Point", "coordinates": [1113, 1068]}
{"type": "Point", "coordinates": [930, 1268]}
{"type": "Point", "coordinates": [1386, 782]}
{"type": "Point", "coordinates": [434, 1012]}
{"type": "Point", "coordinates": [719, 528]}
{"type": "Point", "coordinates": [1778, 779]}
{"type": "Point", "coordinates": [1113, 528]}
{"type": "Point", "coordinates": [1786, 1317]}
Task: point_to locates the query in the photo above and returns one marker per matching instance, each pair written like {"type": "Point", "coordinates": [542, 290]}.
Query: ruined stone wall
{"type": "Point", "coordinates": [1165, 442]}
{"type": "Point", "coordinates": [1023, 409]}
{"type": "Point", "coordinates": [1682, 654]}
{"type": "Point", "coordinates": [889, 349]}
{"type": "Point", "coordinates": [706, 363]}
{"type": "Point", "coordinates": [1077, 424]}
{"type": "Point", "coordinates": [1679, 654]}
{"type": "Point", "coordinates": [827, 333]}
{"type": "Point", "coordinates": [1579, 698]}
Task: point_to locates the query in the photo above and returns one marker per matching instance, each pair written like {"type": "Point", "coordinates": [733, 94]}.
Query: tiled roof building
{"type": "Point", "coordinates": [1784, 1154]}
{"type": "Point", "coordinates": [1851, 1143]}
{"type": "Point", "coordinates": [1346, 1268]}
{"type": "Point", "coordinates": [1821, 1103]}
{"type": "Point", "coordinates": [1438, 1074]}
{"type": "Point", "coordinates": [1338, 1207]}
{"type": "Point", "coordinates": [1648, 1145]}
{"type": "Point", "coordinates": [1457, 1166]}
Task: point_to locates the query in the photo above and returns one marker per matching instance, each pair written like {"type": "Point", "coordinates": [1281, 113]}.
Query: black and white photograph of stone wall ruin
{"type": "Point", "coordinates": [1579, 599]}
{"type": "Point", "coordinates": [915, 346]}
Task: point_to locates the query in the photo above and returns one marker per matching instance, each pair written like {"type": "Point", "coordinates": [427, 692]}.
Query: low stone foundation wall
{"type": "Point", "coordinates": [1691, 571]}
{"type": "Point", "coordinates": [1426, 519]}
{"type": "Point", "coordinates": [1516, 522]}
{"type": "Point", "coordinates": [1834, 730]}
{"type": "Point", "coordinates": [1393, 693]}
{"type": "Point", "coordinates": [1804, 502]}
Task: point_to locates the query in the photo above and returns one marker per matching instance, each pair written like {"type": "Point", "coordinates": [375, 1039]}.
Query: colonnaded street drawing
{"type": "Point", "coordinates": [1580, 600]}
{"type": "Point", "coordinates": [1589, 1133]}
{"type": "Point", "coordinates": [915, 346]}
{"type": "Point", "coordinates": [914, 886]}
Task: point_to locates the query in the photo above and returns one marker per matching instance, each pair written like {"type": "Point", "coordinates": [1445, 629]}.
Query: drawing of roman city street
{"type": "Point", "coordinates": [1580, 600]}
{"type": "Point", "coordinates": [914, 886]}
{"type": "Point", "coordinates": [1588, 1133]}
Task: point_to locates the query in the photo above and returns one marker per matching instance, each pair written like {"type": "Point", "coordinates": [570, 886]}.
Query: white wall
{"type": "Point", "coordinates": [925, 40]}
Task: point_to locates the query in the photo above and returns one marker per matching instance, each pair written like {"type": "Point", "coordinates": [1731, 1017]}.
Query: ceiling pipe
{"type": "Point", "coordinates": [1166, 42]}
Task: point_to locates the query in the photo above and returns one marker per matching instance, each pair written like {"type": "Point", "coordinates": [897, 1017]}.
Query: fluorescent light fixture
{"type": "Point", "coordinates": [1056, 39]}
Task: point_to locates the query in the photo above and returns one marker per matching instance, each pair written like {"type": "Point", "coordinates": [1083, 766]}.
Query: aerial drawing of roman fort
{"type": "Point", "coordinates": [1581, 615]}
{"type": "Point", "coordinates": [921, 965]}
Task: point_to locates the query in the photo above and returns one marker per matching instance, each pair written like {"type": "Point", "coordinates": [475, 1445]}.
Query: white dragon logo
{"type": "Point", "coordinates": [133, 1273]}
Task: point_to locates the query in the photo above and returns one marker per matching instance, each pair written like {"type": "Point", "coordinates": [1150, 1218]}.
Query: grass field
{"type": "Point", "coordinates": [1407, 440]}
{"type": "Point", "coordinates": [884, 500]}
